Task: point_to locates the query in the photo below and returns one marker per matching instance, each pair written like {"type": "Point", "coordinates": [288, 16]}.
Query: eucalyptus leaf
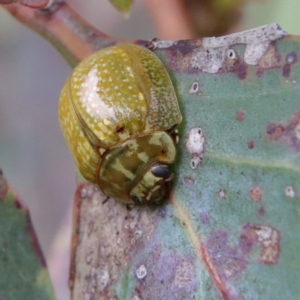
{"type": "Point", "coordinates": [231, 226]}
{"type": "Point", "coordinates": [23, 269]}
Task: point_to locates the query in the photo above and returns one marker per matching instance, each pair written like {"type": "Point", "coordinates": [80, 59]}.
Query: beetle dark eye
{"type": "Point", "coordinates": [161, 171]}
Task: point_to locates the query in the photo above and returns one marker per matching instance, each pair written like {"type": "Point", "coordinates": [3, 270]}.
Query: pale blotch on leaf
{"type": "Point", "coordinates": [194, 88]}
{"type": "Point", "coordinates": [269, 239]}
{"type": "Point", "coordinates": [141, 272]}
{"type": "Point", "coordinates": [195, 146]}
{"type": "Point", "coordinates": [231, 54]}
{"type": "Point", "coordinates": [222, 194]}
{"type": "Point", "coordinates": [290, 192]}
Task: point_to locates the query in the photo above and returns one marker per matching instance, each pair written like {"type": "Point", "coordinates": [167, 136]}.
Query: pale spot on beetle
{"type": "Point", "coordinates": [119, 166]}
{"type": "Point", "coordinates": [222, 194]}
{"type": "Point", "coordinates": [290, 192]}
{"type": "Point", "coordinates": [194, 88]}
{"type": "Point", "coordinates": [141, 97]}
{"type": "Point", "coordinates": [256, 193]}
{"type": "Point", "coordinates": [143, 156]}
{"type": "Point", "coordinates": [141, 272]}
{"type": "Point", "coordinates": [195, 146]}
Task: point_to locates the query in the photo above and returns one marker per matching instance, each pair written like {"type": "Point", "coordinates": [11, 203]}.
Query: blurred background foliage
{"type": "Point", "coordinates": [33, 154]}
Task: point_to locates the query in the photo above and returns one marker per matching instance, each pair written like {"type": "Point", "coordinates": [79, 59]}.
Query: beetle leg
{"type": "Point", "coordinates": [135, 199]}
{"type": "Point", "coordinates": [129, 206]}
{"type": "Point", "coordinates": [105, 200]}
{"type": "Point", "coordinates": [172, 129]}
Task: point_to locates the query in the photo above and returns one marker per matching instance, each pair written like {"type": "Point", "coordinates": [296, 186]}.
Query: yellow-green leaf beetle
{"type": "Point", "coordinates": [117, 112]}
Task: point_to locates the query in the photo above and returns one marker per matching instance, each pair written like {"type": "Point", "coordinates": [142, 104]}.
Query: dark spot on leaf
{"type": "Point", "coordinates": [204, 217]}
{"type": "Point", "coordinates": [242, 71]}
{"type": "Point", "coordinates": [162, 212]}
{"type": "Point", "coordinates": [250, 144]}
{"type": "Point", "coordinates": [290, 59]}
{"type": "Point", "coordinates": [289, 133]}
{"type": "Point", "coordinates": [227, 260]}
{"type": "Point", "coordinates": [240, 115]}
{"type": "Point", "coordinates": [256, 193]}
{"type": "Point", "coordinates": [18, 203]}
{"type": "Point", "coordinates": [170, 274]}
{"type": "Point", "coordinates": [261, 212]}
{"type": "Point", "coordinates": [275, 131]}
{"type": "Point", "coordinates": [188, 181]}
{"type": "Point", "coordinates": [286, 70]}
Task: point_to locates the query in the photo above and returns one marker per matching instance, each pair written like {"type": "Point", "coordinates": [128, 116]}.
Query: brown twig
{"type": "Point", "coordinates": [70, 34]}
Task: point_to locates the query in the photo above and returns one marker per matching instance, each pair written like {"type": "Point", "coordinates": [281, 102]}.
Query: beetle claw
{"type": "Point", "coordinates": [135, 199]}
{"type": "Point", "coordinates": [105, 200]}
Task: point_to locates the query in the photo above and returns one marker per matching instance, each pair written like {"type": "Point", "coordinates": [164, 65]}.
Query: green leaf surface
{"type": "Point", "coordinates": [23, 270]}
{"type": "Point", "coordinates": [231, 228]}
